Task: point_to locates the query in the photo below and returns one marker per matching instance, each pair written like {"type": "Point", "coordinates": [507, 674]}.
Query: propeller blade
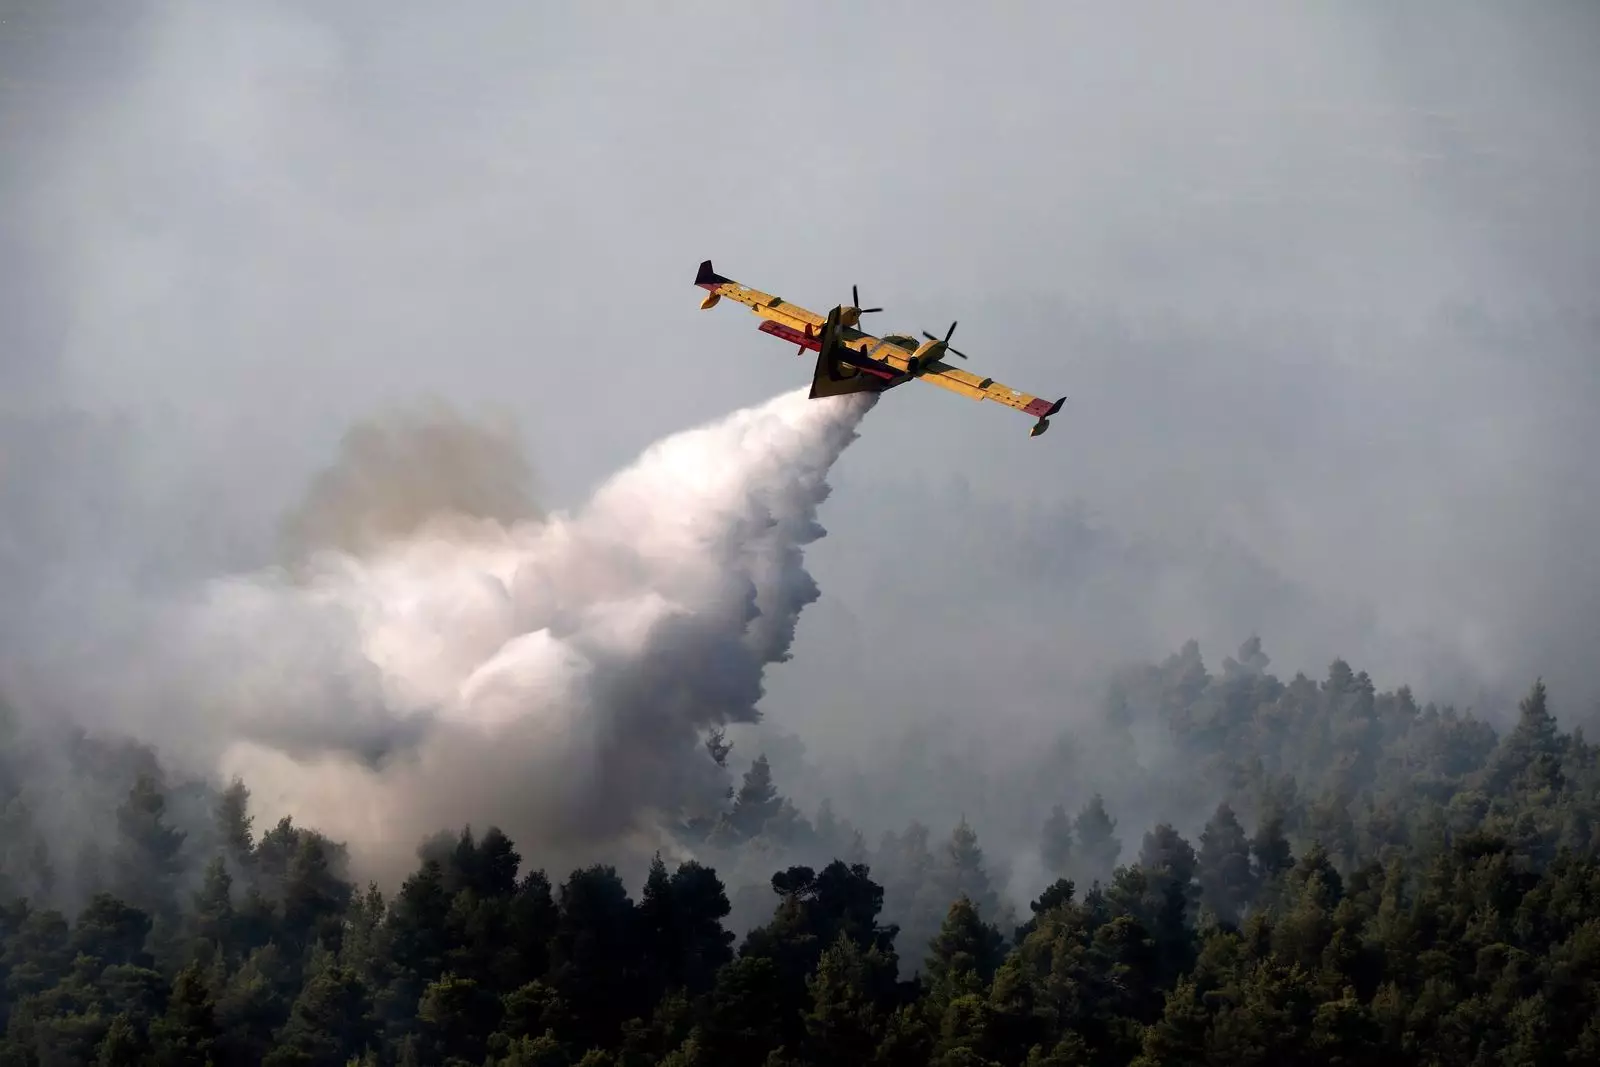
{"type": "Point", "coordinates": [929, 336]}
{"type": "Point", "coordinates": [855, 297]}
{"type": "Point", "coordinates": [868, 311]}
{"type": "Point", "coordinates": [948, 332]}
{"type": "Point", "coordinates": [947, 348]}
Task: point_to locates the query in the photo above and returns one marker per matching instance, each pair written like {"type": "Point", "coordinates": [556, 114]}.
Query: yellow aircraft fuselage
{"type": "Point", "coordinates": [852, 361]}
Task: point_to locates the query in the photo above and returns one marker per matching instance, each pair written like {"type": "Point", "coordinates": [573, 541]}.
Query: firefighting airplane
{"type": "Point", "coordinates": [850, 361]}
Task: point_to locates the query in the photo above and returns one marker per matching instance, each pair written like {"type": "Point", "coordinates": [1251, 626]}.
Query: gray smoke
{"type": "Point", "coordinates": [420, 466]}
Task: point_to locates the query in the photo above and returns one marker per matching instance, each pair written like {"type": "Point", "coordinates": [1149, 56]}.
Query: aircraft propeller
{"type": "Point", "coordinates": [855, 299]}
{"type": "Point", "coordinates": [947, 334]}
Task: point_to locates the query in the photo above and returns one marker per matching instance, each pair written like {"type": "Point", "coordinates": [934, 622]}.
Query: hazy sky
{"type": "Point", "coordinates": [1318, 281]}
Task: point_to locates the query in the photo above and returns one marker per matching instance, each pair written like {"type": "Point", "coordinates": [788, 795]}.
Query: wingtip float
{"type": "Point", "coordinates": [850, 360]}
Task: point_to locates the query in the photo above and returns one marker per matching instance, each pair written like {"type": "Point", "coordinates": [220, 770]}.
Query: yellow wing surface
{"type": "Point", "coordinates": [852, 360]}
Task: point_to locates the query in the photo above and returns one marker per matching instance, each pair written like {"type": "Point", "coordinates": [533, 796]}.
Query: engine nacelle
{"type": "Point", "coordinates": [926, 353]}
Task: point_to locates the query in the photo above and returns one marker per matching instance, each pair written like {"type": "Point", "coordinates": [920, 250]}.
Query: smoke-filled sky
{"type": "Point", "coordinates": [1319, 284]}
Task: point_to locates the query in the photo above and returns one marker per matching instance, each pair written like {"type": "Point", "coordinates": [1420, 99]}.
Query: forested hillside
{"type": "Point", "coordinates": [1378, 882]}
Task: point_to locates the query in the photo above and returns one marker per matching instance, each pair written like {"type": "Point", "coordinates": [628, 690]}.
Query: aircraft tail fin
{"type": "Point", "coordinates": [708, 278]}
{"type": "Point", "coordinates": [834, 377]}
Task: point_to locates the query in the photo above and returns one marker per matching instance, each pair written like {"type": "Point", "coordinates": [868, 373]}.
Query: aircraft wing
{"type": "Point", "coordinates": [887, 355]}
{"type": "Point", "coordinates": [791, 322]}
{"type": "Point", "coordinates": [967, 384]}
{"type": "Point", "coordinates": [978, 388]}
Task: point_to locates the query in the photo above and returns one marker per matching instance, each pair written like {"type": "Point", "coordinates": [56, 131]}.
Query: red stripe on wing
{"type": "Point", "coordinates": [790, 334]}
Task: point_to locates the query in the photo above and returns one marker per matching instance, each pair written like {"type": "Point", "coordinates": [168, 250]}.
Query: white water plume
{"type": "Point", "coordinates": [553, 677]}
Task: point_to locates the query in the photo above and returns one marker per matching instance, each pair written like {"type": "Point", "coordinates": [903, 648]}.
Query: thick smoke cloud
{"type": "Point", "coordinates": [553, 676]}
{"type": "Point", "coordinates": [411, 468]}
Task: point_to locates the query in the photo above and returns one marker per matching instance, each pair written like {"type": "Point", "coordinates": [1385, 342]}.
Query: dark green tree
{"type": "Point", "coordinates": [186, 1035]}
{"type": "Point", "coordinates": [680, 919]}
{"type": "Point", "coordinates": [1270, 852]}
{"type": "Point", "coordinates": [146, 859]}
{"type": "Point", "coordinates": [1528, 759]}
{"type": "Point", "coordinates": [330, 1022]}
{"type": "Point", "coordinates": [597, 960]}
{"type": "Point", "coordinates": [963, 958]}
{"type": "Point", "coordinates": [845, 1021]}
{"type": "Point", "coordinates": [456, 1016]}
{"type": "Point", "coordinates": [1227, 880]}
{"type": "Point", "coordinates": [124, 1045]}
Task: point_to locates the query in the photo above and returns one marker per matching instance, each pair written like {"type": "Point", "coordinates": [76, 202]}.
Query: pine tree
{"type": "Point", "coordinates": [960, 871]}
{"type": "Point", "coordinates": [1056, 847]}
{"type": "Point", "coordinates": [964, 956]}
{"type": "Point", "coordinates": [907, 1040]}
{"type": "Point", "coordinates": [757, 799]}
{"type": "Point", "coordinates": [1270, 851]}
{"type": "Point", "coordinates": [497, 866]}
{"type": "Point", "coordinates": [1166, 854]}
{"type": "Point", "coordinates": [1179, 1036]}
{"type": "Point", "coordinates": [1529, 758]}
{"type": "Point", "coordinates": [700, 904]}
{"type": "Point", "coordinates": [212, 919]}
{"type": "Point", "coordinates": [1227, 883]}
{"type": "Point", "coordinates": [111, 932]}
{"type": "Point", "coordinates": [124, 1045]}
{"type": "Point", "coordinates": [1098, 845]}
{"type": "Point", "coordinates": [843, 1023]}
{"type": "Point", "coordinates": [233, 825]}
{"type": "Point", "coordinates": [147, 853]}
{"type": "Point", "coordinates": [330, 1021]}
{"type": "Point", "coordinates": [658, 926]}
{"type": "Point", "coordinates": [186, 1035]}
{"type": "Point", "coordinates": [1168, 865]}
{"type": "Point", "coordinates": [455, 1015]}
{"type": "Point", "coordinates": [418, 927]}
{"type": "Point", "coordinates": [314, 896]}
{"type": "Point", "coordinates": [252, 1005]}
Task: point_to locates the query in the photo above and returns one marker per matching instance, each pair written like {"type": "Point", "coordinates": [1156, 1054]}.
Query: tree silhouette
{"type": "Point", "coordinates": [1056, 847]}
{"type": "Point", "coordinates": [1403, 886]}
{"type": "Point", "coordinates": [1098, 844]}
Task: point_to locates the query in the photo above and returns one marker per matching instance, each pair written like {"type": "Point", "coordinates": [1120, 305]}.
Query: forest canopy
{"type": "Point", "coordinates": [1375, 881]}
